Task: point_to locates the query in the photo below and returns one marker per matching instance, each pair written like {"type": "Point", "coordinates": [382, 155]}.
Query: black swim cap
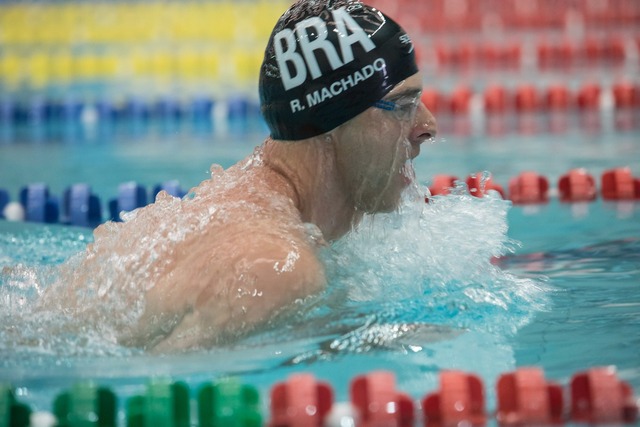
{"type": "Point", "coordinates": [328, 61]}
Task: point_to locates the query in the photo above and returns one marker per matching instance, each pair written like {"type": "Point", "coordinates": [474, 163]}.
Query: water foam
{"type": "Point", "coordinates": [428, 263]}
{"type": "Point", "coordinates": [432, 262]}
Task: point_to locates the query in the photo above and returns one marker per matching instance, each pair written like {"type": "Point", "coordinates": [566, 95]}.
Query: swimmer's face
{"type": "Point", "coordinates": [375, 149]}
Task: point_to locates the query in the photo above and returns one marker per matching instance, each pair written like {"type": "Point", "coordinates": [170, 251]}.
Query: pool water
{"type": "Point", "coordinates": [465, 283]}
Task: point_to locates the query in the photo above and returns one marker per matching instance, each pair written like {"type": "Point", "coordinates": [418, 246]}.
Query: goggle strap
{"type": "Point", "coordinates": [385, 105]}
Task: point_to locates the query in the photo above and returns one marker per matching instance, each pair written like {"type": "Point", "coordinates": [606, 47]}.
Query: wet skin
{"type": "Point", "coordinates": [255, 229]}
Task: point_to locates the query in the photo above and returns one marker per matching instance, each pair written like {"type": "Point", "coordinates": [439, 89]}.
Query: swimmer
{"type": "Point", "coordinates": [341, 93]}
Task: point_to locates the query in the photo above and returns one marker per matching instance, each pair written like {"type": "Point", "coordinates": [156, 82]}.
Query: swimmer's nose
{"type": "Point", "coordinates": [425, 127]}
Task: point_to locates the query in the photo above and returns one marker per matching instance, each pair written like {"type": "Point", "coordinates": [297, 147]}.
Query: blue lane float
{"type": "Point", "coordinates": [131, 196]}
{"type": "Point", "coordinates": [38, 204]}
{"type": "Point", "coordinates": [4, 201]}
{"type": "Point", "coordinates": [172, 187]}
{"type": "Point", "coordinates": [81, 207]}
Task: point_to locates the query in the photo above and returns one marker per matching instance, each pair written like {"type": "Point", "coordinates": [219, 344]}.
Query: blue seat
{"type": "Point", "coordinates": [136, 109]}
{"type": "Point", "coordinates": [238, 108]}
{"type": "Point", "coordinates": [201, 108]}
{"type": "Point", "coordinates": [168, 108]}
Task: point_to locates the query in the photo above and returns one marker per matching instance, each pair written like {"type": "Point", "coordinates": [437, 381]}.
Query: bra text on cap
{"type": "Point", "coordinates": [349, 33]}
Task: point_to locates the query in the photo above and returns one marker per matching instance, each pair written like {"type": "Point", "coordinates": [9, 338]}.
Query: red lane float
{"type": "Point", "coordinates": [479, 185]}
{"type": "Point", "coordinates": [461, 100]}
{"type": "Point", "coordinates": [433, 100]}
{"type": "Point", "coordinates": [577, 186]}
{"type": "Point", "coordinates": [526, 398]}
{"type": "Point", "coordinates": [379, 403]}
{"type": "Point", "coordinates": [459, 401]}
{"type": "Point", "coordinates": [619, 184]}
{"type": "Point", "coordinates": [529, 188]}
{"type": "Point", "coordinates": [599, 397]}
{"type": "Point", "coordinates": [301, 401]}
{"type": "Point", "coordinates": [442, 185]}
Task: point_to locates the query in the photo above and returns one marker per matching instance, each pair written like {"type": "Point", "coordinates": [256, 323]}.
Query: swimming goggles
{"type": "Point", "coordinates": [403, 108]}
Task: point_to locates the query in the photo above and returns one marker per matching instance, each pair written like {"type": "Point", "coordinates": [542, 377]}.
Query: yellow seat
{"type": "Point", "coordinates": [38, 69]}
{"type": "Point", "coordinates": [10, 69]}
{"type": "Point", "coordinates": [210, 60]}
{"type": "Point", "coordinates": [62, 66]}
{"type": "Point", "coordinates": [247, 65]}
{"type": "Point", "coordinates": [188, 64]}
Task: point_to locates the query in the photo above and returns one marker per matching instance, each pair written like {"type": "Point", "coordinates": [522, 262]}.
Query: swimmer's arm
{"type": "Point", "coordinates": [276, 276]}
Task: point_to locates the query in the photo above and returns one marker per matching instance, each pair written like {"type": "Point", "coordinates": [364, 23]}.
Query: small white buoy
{"type": "Point", "coordinates": [342, 415]}
{"type": "Point", "coordinates": [13, 211]}
{"type": "Point", "coordinates": [43, 419]}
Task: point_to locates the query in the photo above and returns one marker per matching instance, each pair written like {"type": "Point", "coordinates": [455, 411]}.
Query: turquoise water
{"type": "Point", "coordinates": [412, 292]}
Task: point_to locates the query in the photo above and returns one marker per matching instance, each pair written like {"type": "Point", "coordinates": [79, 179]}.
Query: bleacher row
{"type": "Point", "coordinates": [103, 23]}
{"type": "Point", "coordinates": [447, 16]}
{"type": "Point", "coordinates": [53, 43]}
{"type": "Point", "coordinates": [120, 22]}
{"type": "Point", "coordinates": [79, 206]}
{"type": "Point", "coordinates": [60, 43]}
{"type": "Point", "coordinates": [524, 398]}
{"type": "Point", "coordinates": [544, 53]}
{"type": "Point", "coordinates": [39, 66]}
